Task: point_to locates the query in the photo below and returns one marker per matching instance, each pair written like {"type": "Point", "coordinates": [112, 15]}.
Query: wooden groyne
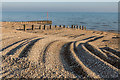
{"type": "Point", "coordinates": [41, 25]}
{"type": "Point", "coordinates": [49, 27]}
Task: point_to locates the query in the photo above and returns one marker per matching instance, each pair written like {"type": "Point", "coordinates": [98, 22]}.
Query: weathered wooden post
{"type": "Point", "coordinates": [77, 26]}
{"type": "Point", "coordinates": [50, 26]}
{"type": "Point", "coordinates": [60, 26]}
{"type": "Point", "coordinates": [85, 27]}
{"type": "Point", "coordinates": [63, 26]}
{"type": "Point", "coordinates": [39, 26]}
{"type": "Point", "coordinates": [67, 26]}
{"type": "Point", "coordinates": [44, 27]}
{"type": "Point", "coordinates": [82, 27]}
{"type": "Point", "coordinates": [24, 27]}
{"type": "Point", "coordinates": [32, 27]}
{"type": "Point", "coordinates": [72, 26]}
{"type": "Point", "coordinates": [55, 26]}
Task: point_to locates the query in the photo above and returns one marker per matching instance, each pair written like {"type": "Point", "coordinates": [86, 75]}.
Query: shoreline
{"type": "Point", "coordinates": [34, 22]}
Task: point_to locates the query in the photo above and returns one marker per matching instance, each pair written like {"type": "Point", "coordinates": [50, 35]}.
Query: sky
{"type": "Point", "coordinates": [59, 6]}
{"type": "Point", "coordinates": [60, 0]}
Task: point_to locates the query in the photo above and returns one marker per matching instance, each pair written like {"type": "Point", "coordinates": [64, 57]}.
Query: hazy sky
{"type": "Point", "coordinates": [60, 6]}
{"type": "Point", "coordinates": [60, 0]}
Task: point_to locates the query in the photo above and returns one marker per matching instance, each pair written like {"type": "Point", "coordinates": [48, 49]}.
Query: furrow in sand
{"type": "Point", "coordinates": [96, 51]}
{"type": "Point", "coordinates": [24, 51]}
{"type": "Point", "coordinates": [46, 48]}
{"type": "Point", "coordinates": [92, 38]}
{"type": "Point", "coordinates": [94, 63]}
{"type": "Point", "coordinates": [16, 47]}
{"type": "Point", "coordinates": [13, 47]}
{"type": "Point", "coordinates": [13, 43]}
{"type": "Point", "coordinates": [109, 65]}
{"type": "Point", "coordinates": [15, 52]}
{"type": "Point", "coordinates": [85, 68]}
{"type": "Point", "coordinates": [70, 62]}
{"type": "Point", "coordinates": [97, 38]}
{"type": "Point", "coordinates": [9, 73]}
{"type": "Point", "coordinates": [88, 38]}
{"type": "Point", "coordinates": [111, 55]}
{"type": "Point", "coordinates": [112, 51]}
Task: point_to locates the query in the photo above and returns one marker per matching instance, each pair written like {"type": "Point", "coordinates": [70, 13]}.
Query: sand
{"type": "Point", "coordinates": [58, 53]}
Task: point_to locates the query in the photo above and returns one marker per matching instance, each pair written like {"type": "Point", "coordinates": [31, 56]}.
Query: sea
{"type": "Point", "coordinates": [102, 21]}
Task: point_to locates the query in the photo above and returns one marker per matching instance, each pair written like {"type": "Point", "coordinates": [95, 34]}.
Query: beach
{"type": "Point", "coordinates": [58, 52]}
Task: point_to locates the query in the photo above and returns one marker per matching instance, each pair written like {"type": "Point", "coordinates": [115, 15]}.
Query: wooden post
{"type": "Point", "coordinates": [60, 25]}
{"type": "Point", "coordinates": [24, 27]}
{"type": "Point", "coordinates": [55, 26]}
{"type": "Point", "coordinates": [40, 27]}
{"type": "Point", "coordinates": [32, 27]}
{"type": "Point", "coordinates": [82, 27]}
{"type": "Point", "coordinates": [72, 26]}
{"type": "Point", "coordinates": [63, 26]}
{"type": "Point", "coordinates": [77, 26]}
{"type": "Point", "coordinates": [85, 28]}
{"type": "Point", "coordinates": [50, 26]}
{"type": "Point", "coordinates": [68, 26]}
{"type": "Point", "coordinates": [44, 27]}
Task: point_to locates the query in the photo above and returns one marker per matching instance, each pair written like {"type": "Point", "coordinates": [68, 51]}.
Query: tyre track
{"type": "Point", "coordinates": [95, 64]}
{"type": "Point", "coordinates": [13, 47]}
{"type": "Point", "coordinates": [100, 54]}
{"type": "Point", "coordinates": [8, 72]}
{"type": "Point", "coordinates": [75, 63]}
{"type": "Point", "coordinates": [28, 47]}
{"type": "Point", "coordinates": [13, 44]}
{"type": "Point", "coordinates": [46, 48]}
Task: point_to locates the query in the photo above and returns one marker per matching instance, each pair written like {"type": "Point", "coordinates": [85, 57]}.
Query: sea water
{"type": "Point", "coordinates": [92, 20]}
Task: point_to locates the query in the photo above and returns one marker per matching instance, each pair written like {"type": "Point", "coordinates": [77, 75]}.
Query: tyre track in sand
{"type": "Point", "coordinates": [22, 53]}
{"type": "Point", "coordinates": [89, 61]}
